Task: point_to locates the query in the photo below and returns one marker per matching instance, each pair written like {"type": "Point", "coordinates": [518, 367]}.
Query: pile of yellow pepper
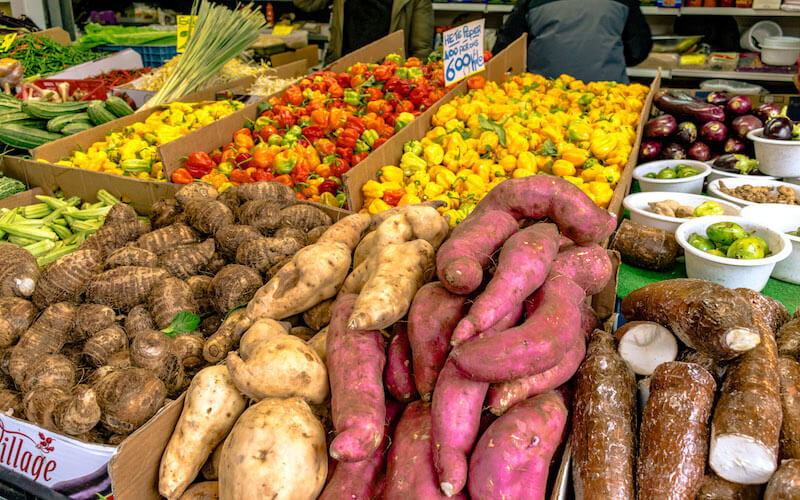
{"type": "Point", "coordinates": [132, 151]}
{"type": "Point", "coordinates": [528, 125]}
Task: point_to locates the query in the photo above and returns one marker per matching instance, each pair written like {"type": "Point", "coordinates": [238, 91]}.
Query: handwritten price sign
{"type": "Point", "coordinates": [185, 29]}
{"type": "Point", "coordinates": [463, 51]}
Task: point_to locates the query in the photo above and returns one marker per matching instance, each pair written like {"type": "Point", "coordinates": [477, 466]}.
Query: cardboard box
{"type": "Point", "coordinates": [22, 199]}
{"type": "Point", "coordinates": [309, 54]}
{"type": "Point", "coordinates": [511, 60]}
{"type": "Point", "coordinates": [292, 69]}
{"type": "Point", "coordinates": [393, 43]}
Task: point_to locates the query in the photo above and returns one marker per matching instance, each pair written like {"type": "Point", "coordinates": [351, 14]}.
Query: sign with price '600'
{"type": "Point", "coordinates": [463, 51]}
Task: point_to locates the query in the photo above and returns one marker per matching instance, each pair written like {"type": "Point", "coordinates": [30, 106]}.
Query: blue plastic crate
{"type": "Point", "coordinates": [153, 56]}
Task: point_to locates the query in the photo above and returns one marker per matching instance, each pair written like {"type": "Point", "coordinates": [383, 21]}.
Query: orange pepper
{"type": "Point", "coordinates": [312, 158]}
{"type": "Point", "coordinates": [227, 155]}
{"type": "Point", "coordinates": [375, 106]}
{"type": "Point", "coordinates": [320, 117]}
{"type": "Point", "coordinates": [262, 157]}
{"type": "Point", "coordinates": [284, 179]}
{"type": "Point", "coordinates": [476, 82]}
{"type": "Point", "coordinates": [323, 170]}
{"type": "Point", "coordinates": [182, 176]}
{"type": "Point", "coordinates": [412, 62]}
{"type": "Point", "coordinates": [243, 138]}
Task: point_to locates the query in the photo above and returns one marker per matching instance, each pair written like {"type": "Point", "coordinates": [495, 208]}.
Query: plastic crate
{"type": "Point", "coordinates": [95, 90]}
{"type": "Point", "coordinates": [153, 56]}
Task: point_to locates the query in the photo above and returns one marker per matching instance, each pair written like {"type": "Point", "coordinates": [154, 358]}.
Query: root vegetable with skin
{"type": "Point", "coordinates": [789, 372]}
{"type": "Point", "coordinates": [319, 316]}
{"type": "Point", "coordinates": [65, 279]}
{"type": "Point", "coordinates": [52, 370]}
{"type": "Point", "coordinates": [772, 311]}
{"type": "Point", "coordinates": [55, 408]}
{"type": "Point", "coordinates": [229, 238]}
{"type": "Point", "coordinates": [262, 253]}
{"type": "Point", "coordinates": [589, 267]}
{"type": "Point", "coordinates": [409, 470]}
{"type": "Point", "coordinates": [191, 192]}
{"type": "Point", "coordinates": [264, 216]}
{"type": "Point", "coordinates": [304, 217]}
{"type": "Point", "coordinates": [123, 287]}
{"type": "Point", "coordinates": [275, 450]}
{"type": "Point", "coordinates": [523, 266]}
{"type": "Point", "coordinates": [319, 343]}
{"type": "Point", "coordinates": [785, 483]}
{"type": "Point", "coordinates": [16, 316]}
{"type": "Point", "coordinates": [227, 336]}
{"type": "Point", "coordinates": [187, 260]}
{"type": "Point", "coordinates": [212, 405]}
{"type": "Point", "coordinates": [512, 458]}
{"type": "Point", "coordinates": [399, 377]}
{"type": "Point", "coordinates": [47, 335]}
{"type": "Point", "coordinates": [259, 332]}
{"type": "Point", "coordinates": [90, 319]}
{"type": "Point", "coordinates": [210, 469]}
{"type": "Point", "coordinates": [153, 351]}
{"type": "Point", "coordinates": [645, 247]}
{"type": "Point", "coordinates": [315, 234]}
{"type": "Point", "coordinates": [207, 216]}
{"type": "Point", "coordinates": [121, 213]}
{"type": "Point", "coordinates": [128, 398]}
{"type": "Point", "coordinates": [131, 256]}
{"type": "Point", "coordinates": [789, 338]}
{"type": "Point", "coordinates": [356, 360]}
{"type": "Point", "coordinates": [168, 298]}
{"type": "Point", "coordinates": [111, 237]}
{"type": "Point", "coordinates": [533, 347]}
{"type": "Point", "coordinates": [188, 348]}
{"type": "Point", "coordinates": [746, 428]}
{"type": "Point", "coordinates": [707, 317]}
{"type": "Point", "coordinates": [282, 367]}
{"type": "Point", "coordinates": [206, 490]}
{"type": "Point", "coordinates": [674, 432]}
{"type": "Point", "coordinates": [274, 192]}
{"type": "Point", "coordinates": [100, 346]}
{"type": "Point", "coordinates": [11, 403]}
{"type": "Point", "coordinates": [164, 212]}
{"type": "Point", "coordinates": [19, 273]}
{"type": "Point", "coordinates": [162, 239]}
{"type": "Point", "coordinates": [716, 368]}
{"type": "Point", "coordinates": [433, 316]}
{"type": "Point", "coordinates": [716, 488]}
{"type": "Point", "coordinates": [201, 292]}
{"type": "Point", "coordinates": [138, 320]}
{"type": "Point", "coordinates": [604, 424]}
{"type": "Point", "coordinates": [455, 422]}
{"type": "Point", "coordinates": [644, 345]}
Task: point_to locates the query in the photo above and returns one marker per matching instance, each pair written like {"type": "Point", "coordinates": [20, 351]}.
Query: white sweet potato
{"type": "Point", "coordinates": [275, 450]}
{"type": "Point", "coordinates": [213, 403]}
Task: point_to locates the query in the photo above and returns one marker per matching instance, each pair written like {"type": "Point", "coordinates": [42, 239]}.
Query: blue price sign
{"type": "Point", "coordinates": [463, 51]}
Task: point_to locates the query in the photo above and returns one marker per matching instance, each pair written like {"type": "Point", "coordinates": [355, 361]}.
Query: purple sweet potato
{"type": "Point", "coordinates": [512, 458]}
{"type": "Point", "coordinates": [588, 266]}
{"type": "Point", "coordinates": [409, 470]}
{"type": "Point", "coordinates": [363, 480]}
{"type": "Point", "coordinates": [455, 420]}
{"type": "Point", "coordinates": [523, 265]}
{"type": "Point", "coordinates": [463, 257]}
{"type": "Point", "coordinates": [434, 314]}
{"type": "Point", "coordinates": [506, 394]}
{"type": "Point", "coordinates": [508, 321]}
{"type": "Point", "coordinates": [539, 196]}
{"type": "Point", "coordinates": [533, 347]}
{"type": "Point", "coordinates": [355, 366]}
{"type": "Point", "coordinates": [398, 377]}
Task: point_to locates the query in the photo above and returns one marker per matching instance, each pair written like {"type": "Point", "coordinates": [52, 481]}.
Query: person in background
{"type": "Point", "coordinates": [356, 23]}
{"type": "Point", "coordinates": [592, 40]}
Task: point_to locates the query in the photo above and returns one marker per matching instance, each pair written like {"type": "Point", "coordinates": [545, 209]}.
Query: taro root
{"type": "Point", "coordinates": [216, 263]}
{"type": "Point", "coordinates": [47, 335]}
{"type": "Point", "coordinates": [100, 346]}
{"type": "Point", "coordinates": [121, 213]}
{"type": "Point", "coordinates": [138, 320]}
{"type": "Point", "coordinates": [645, 247]}
{"type": "Point", "coordinates": [168, 298]}
{"type": "Point", "coordinates": [293, 232]}
{"type": "Point", "coordinates": [201, 291]}
{"type": "Point", "coordinates": [195, 191]}
{"type": "Point", "coordinates": [123, 287]}
{"type": "Point", "coordinates": [262, 253]}
{"type": "Point", "coordinates": [152, 350]}
{"type": "Point", "coordinates": [19, 272]}
{"type": "Point", "coordinates": [188, 348]}
{"type": "Point", "coordinates": [16, 316]}
{"type": "Point", "coordinates": [208, 216]}
{"type": "Point", "coordinates": [234, 286]}
{"type": "Point", "coordinates": [131, 256]}
{"type": "Point", "coordinates": [187, 260]}
{"type": "Point", "coordinates": [164, 212]}
{"type": "Point", "coordinates": [66, 278]}
{"type": "Point", "coordinates": [11, 403]}
{"type": "Point", "coordinates": [167, 237]}
{"type": "Point", "coordinates": [110, 237]}
{"type": "Point", "coordinates": [264, 216]}
{"type": "Point", "coordinates": [314, 234]}
{"type": "Point", "coordinates": [304, 217]}
{"type": "Point", "coordinates": [52, 370]}
{"type": "Point", "coordinates": [230, 237]}
{"type": "Point", "coordinates": [274, 192]}
{"type": "Point", "coordinates": [128, 398]}
{"type": "Point", "coordinates": [90, 319]}
{"type": "Point", "coordinates": [55, 408]}
{"type": "Point", "coordinates": [230, 197]}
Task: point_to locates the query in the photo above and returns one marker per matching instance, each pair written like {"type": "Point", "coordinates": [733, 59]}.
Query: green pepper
{"type": "Point", "coordinates": [274, 140]}
{"type": "Point", "coordinates": [150, 138]}
{"type": "Point", "coordinates": [226, 168]}
{"type": "Point", "coordinates": [586, 99]}
{"type": "Point", "coordinates": [295, 130]}
{"type": "Point", "coordinates": [284, 164]}
{"type": "Point", "coordinates": [352, 97]}
{"type": "Point", "coordinates": [434, 56]}
{"type": "Point", "coordinates": [413, 147]}
{"type": "Point", "coordinates": [708, 208]}
{"type": "Point", "coordinates": [395, 58]}
{"type": "Point", "coordinates": [591, 162]}
{"type": "Point", "coordinates": [360, 147]}
{"type": "Point", "coordinates": [263, 106]}
{"type": "Point", "coordinates": [288, 140]}
{"type": "Point", "coordinates": [370, 136]}
{"type": "Point", "coordinates": [341, 199]}
{"type": "Point", "coordinates": [402, 120]}
{"type": "Point", "coordinates": [401, 73]}
{"type": "Point", "coordinates": [415, 72]}
{"type": "Point", "coordinates": [303, 122]}
{"type": "Point", "coordinates": [744, 164]}
{"type": "Point", "coordinates": [412, 163]}
{"type": "Point", "coordinates": [263, 121]}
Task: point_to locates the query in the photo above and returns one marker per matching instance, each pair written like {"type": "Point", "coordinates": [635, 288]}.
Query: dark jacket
{"type": "Point", "coordinates": [414, 17]}
{"type": "Point", "coordinates": [592, 40]}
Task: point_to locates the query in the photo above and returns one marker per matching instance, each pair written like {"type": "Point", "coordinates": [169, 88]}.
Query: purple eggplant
{"type": "Point", "coordinates": [699, 151]}
{"type": "Point", "coordinates": [713, 131]}
{"type": "Point", "coordinates": [742, 125]}
{"type": "Point", "coordinates": [673, 151]}
{"type": "Point", "coordinates": [767, 110]}
{"type": "Point", "coordinates": [687, 107]}
{"type": "Point", "coordinates": [686, 132]}
{"type": "Point", "coordinates": [737, 164]}
{"type": "Point", "coordinates": [733, 146]}
{"type": "Point", "coordinates": [739, 105]}
{"type": "Point", "coordinates": [660, 126]}
{"type": "Point", "coordinates": [718, 98]}
{"type": "Point", "coordinates": [779, 128]}
{"type": "Point", "coordinates": [650, 150]}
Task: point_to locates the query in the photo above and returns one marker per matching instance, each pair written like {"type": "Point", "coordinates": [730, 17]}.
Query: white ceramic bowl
{"type": "Point", "coordinates": [638, 204]}
{"type": "Point", "coordinates": [780, 218]}
{"type": "Point", "coordinates": [780, 50]}
{"type": "Point", "coordinates": [714, 189]}
{"type": "Point", "coordinates": [692, 184]}
{"type": "Point", "coordinates": [778, 158]}
{"type": "Point", "coordinates": [721, 174]}
{"type": "Point", "coordinates": [732, 273]}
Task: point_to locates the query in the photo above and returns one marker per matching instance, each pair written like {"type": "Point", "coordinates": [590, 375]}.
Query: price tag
{"type": "Point", "coordinates": [6, 41]}
{"type": "Point", "coordinates": [463, 51]}
{"type": "Point", "coordinates": [282, 29]}
{"type": "Point", "coordinates": [185, 29]}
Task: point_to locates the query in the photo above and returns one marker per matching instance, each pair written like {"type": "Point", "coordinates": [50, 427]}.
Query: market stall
{"type": "Point", "coordinates": [363, 282]}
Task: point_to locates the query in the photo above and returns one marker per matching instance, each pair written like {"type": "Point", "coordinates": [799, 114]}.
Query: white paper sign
{"type": "Point", "coordinates": [463, 51]}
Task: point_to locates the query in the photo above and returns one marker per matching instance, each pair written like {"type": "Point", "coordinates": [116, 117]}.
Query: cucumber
{"type": "Point", "coordinates": [59, 122]}
{"type": "Point", "coordinates": [50, 110]}
{"type": "Point", "coordinates": [99, 115]}
{"type": "Point", "coordinates": [75, 127]}
{"type": "Point", "coordinates": [118, 106]}
{"type": "Point", "coordinates": [21, 137]}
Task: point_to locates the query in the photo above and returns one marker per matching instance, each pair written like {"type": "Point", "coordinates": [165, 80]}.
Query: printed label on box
{"type": "Point", "coordinates": [6, 41]}
{"type": "Point", "coordinates": [463, 51]}
{"type": "Point", "coordinates": [66, 465]}
{"type": "Point", "coordinates": [185, 29]}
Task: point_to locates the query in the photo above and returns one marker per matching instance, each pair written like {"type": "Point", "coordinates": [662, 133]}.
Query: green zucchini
{"type": "Point", "coordinates": [118, 106]}
{"type": "Point", "coordinates": [59, 122]}
{"type": "Point", "coordinates": [49, 110]}
{"type": "Point", "coordinates": [99, 115]}
{"type": "Point", "coordinates": [13, 117]}
{"type": "Point", "coordinates": [75, 127]}
{"type": "Point", "coordinates": [21, 137]}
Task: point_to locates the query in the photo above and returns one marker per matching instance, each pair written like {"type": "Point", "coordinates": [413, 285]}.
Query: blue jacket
{"type": "Point", "coordinates": [592, 40]}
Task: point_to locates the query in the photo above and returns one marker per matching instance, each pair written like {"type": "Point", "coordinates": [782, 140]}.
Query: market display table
{"type": "Point", "coordinates": [632, 278]}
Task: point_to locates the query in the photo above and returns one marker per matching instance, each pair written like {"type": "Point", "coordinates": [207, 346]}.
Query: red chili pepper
{"type": "Point", "coordinates": [286, 118]}
{"type": "Point", "coordinates": [239, 176]}
{"type": "Point", "coordinates": [262, 175]}
{"type": "Point", "coordinates": [393, 196]}
{"type": "Point", "coordinates": [382, 72]}
{"type": "Point", "coordinates": [359, 157]}
{"type": "Point", "coordinates": [217, 157]}
{"type": "Point", "coordinates": [328, 186]}
{"type": "Point", "coordinates": [417, 95]}
{"type": "Point", "coordinates": [380, 141]}
{"type": "Point", "coordinates": [374, 93]}
{"type": "Point", "coordinates": [182, 176]}
{"type": "Point", "coordinates": [347, 138]}
{"type": "Point", "coordinates": [344, 80]}
{"type": "Point", "coordinates": [325, 147]}
{"type": "Point", "coordinates": [293, 95]}
{"type": "Point", "coordinates": [391, 84]}
{"type": "Point", "coordinates": [313, 132]}
{"type": "Point", "coordinates": [199, 164]}
{"type": "Point", "coordinates": [243, 160]}
{"type": "Point", "coordinates": [339, 166]}
{"type": "Point", "coordinates": [355, 122]}
{"type": "Point", "coordinates": [267, 131]}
